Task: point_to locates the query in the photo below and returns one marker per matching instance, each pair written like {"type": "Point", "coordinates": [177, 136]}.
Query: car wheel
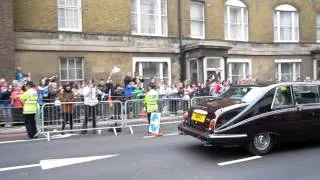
{"type": "Point", "coordinates": [261, 144]}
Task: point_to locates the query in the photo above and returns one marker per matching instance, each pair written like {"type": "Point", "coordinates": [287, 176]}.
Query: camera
{"type": "Point", "coordinates": [141, 79]}
{"type": "Point", "coordinates": [53, 79]}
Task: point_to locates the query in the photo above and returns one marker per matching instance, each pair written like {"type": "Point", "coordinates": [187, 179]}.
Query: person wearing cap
{"type": "Point", "coordinates": [151, 100]}
{"type": "Point", "coordinates": [30, 107]}
{"type": "Point", "coordinates": [19, 74]}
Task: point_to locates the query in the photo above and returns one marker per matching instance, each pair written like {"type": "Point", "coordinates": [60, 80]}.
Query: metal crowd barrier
{"type": "Point", "coordinates": [106, 115]}
{"type": "Point", "coordinates": [10, 116]}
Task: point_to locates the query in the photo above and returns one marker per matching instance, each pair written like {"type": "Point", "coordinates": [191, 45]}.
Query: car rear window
{"type": "Point", "coordinates": [241, 93]}
{"type": "Point", "coordinates": [235, 93]}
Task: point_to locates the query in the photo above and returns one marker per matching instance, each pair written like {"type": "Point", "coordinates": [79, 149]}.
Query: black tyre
{"type": "Point", "coordinates": [261, 144]}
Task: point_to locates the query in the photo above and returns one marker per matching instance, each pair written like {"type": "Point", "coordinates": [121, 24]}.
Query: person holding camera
{"type": "Point", "coordinates": [43, 89]}
{"type": "Point", "coordinates": [90, 93]}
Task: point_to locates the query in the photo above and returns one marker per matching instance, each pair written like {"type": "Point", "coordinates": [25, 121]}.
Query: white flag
{"type": "Point", "coordinates": [115, 69]}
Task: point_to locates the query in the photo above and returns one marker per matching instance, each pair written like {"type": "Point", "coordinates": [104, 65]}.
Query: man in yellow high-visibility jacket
{"type": "Point", "coordinates": [30, 108]}
{"type": "Point", "coordinates": [151, 100]}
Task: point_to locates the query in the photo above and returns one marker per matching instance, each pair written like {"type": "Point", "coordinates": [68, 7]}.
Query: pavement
{"type": "Point", "coordinates": [142, 157]}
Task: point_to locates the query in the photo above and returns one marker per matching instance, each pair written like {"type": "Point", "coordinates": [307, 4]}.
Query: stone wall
{"type": "Point", "coordinates": [7, 63]}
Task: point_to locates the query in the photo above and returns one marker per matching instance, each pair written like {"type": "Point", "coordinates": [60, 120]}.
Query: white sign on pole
{"type": "Point", "coordinates": [154, 126]}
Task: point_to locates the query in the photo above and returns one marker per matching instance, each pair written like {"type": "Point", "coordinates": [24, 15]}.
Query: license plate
{"type": "Point", "coordinates": [198, 117]}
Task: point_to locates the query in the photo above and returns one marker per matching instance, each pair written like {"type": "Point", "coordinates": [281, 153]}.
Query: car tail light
{"type": "Point", "coordinates": [185, 116]}
{"type": "Point", "coordinates": [211, 124]}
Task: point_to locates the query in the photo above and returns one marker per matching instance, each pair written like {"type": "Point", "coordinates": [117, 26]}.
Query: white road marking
{"type": "Point", "coordinates": [239, 160]}
{"type": "Point", "coordinates": [172, 134]}
{"type": "Point", "coordinates": [164, 135]}
{"type": "Point", "coordinates": [17, 141]}
{"type": "Point", "coordinates": [55, 163]}
{"type": "Point", "coordinates": [19, 167]}
{"type": "Point", "coordinates": [59, 136]}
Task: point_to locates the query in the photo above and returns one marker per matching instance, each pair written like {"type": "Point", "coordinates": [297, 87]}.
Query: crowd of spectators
{"type": "Point", "coordinates": [50, 91]}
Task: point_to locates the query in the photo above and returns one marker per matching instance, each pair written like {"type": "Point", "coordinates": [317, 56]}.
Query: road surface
{"type": "Point", "coordinates": [140, 157]}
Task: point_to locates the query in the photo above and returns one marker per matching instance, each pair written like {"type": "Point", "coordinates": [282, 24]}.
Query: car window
{"type": "Point", "coordinates": [282, 97]}
{"type": "Point", "coordinates": [305, 94]}
{"type": "Point", "coordinates": [236, 93]}
{"type": "Point", "coordinates": [253, 94]}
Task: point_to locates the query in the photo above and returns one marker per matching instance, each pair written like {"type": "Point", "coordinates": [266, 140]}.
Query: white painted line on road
{"type": "Point", "coordinates": [17, 141]}
{"type": "Point", "coordinates": [164, 135]}
{"type": "Point", "coordinates": [55, 163]}
{"type": "Point", "coordinates": [172, 134]}
{"type": "Point", "coordinates": [19, 167]}
{"type": "Point", "coordinates": [39, 139]}
{"type": "Point", "coordinates": [239, 160]}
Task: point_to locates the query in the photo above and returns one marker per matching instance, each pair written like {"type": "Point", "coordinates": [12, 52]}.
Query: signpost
{"type": "Point", "coordinates": [154, 126]}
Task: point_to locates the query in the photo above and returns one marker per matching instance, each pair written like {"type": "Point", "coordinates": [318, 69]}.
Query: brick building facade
{"type": "Point", "coordinates": [7, 39]}
{"type": "Point", "coordinates": [169, 39]}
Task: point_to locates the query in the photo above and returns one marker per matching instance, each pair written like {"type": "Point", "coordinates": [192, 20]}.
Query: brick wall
{"type": "Point", "coordinates": [114, 16]}
{"type": "Point", "coordinates": [7, 62]}
{"type": "Point", "coordinates": [110, 16]}
{"type": "Point", "coordinates": [35, 14]}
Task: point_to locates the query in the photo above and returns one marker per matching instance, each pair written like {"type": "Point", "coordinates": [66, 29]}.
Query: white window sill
{"type": "Point", "coordinates": [70, 30]}
{"type": "Point", "coordinates": [197, 37]}
{"type": "Point", "coordinates": [154, 35]}
{"type": "Point", "coordinates": [241, 40]}
{"type": "Point", "coordinates": [286, 41]}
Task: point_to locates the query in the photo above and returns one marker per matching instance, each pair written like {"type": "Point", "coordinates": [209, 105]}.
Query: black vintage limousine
{"type": "Point", "coordinates": [257, 117]}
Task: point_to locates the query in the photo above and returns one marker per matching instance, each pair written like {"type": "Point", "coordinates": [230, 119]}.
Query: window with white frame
{"type": "Point", "coordinates": [149, 17]}
{"type": "Point", "coordinates": [318, 27]}
{"type": "Point", "coordinates": [288, 70]}
{"type": "Point", "coordinates": [213, 68]}
{"type": "Point", "coordinates": [69, 15]}
{"type": "Point", "coordinates": [153, 68]}
{"type": "Point", "coordinates": [197, 22]}
{"type": "Point", "coordinates": [236, 20]}
{"type": "Point", "coordinates": [238, 69]}
{"type": "Point", "coordinates": [71, 69]}
{"type": "Point", "coordinates": [286, 24]}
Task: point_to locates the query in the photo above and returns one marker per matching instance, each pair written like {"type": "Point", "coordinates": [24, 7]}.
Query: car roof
{"type": "Point", "coordinates": [249, 85]}
{"type": "Point", "coordinates": [295, 84]}
{"type": "Point", "coordinates": [268, 87]}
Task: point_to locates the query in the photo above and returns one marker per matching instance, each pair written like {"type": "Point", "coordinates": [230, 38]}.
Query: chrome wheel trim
{"type": "Point", "coordinates": [262, 141]}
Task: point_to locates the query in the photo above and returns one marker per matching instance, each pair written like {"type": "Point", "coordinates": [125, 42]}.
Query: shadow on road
{"type": "Point", "coordinates": [296, 147]}
{"type": "Point", "coordinates": [214, 152]}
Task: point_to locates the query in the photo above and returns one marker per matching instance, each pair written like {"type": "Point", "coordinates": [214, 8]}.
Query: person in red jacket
{"type": "Point", "coordinates": [217, 88]}
{"type": "Point", "coordinates": [17, 104]}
